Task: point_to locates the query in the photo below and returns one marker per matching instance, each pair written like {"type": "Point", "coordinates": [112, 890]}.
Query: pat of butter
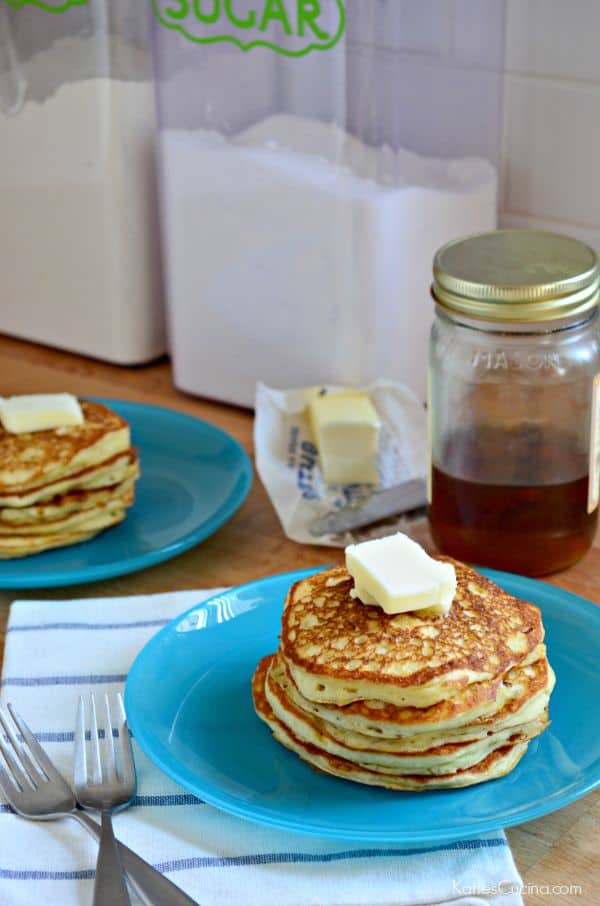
{"type": "Point", "coordinates": [346, 430]}
{"type": "Point", "coordinates": [39, 412]}
{"type": "Point", "coordinates": [398, 575]}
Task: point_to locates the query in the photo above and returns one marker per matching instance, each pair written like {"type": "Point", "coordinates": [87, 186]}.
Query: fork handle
{"type": "Point", "coordinates": [153, 888]}
{"type": "Point", "coordinates": [110, 888]}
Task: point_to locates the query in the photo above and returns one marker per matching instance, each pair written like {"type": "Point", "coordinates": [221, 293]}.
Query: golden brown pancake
{"type": "Point", "coordinates": [496, 764]}
{"type": "Point", "coordinates": [410, 701]}
{"type": "Point", "coordinates": [392, 756]}
{"type": "Point", "coordinates": [63, 486]}
{"type": "Point", "coordinates": [339, 650]}
{"type": "Point", "coordinates": [78, 520]}
{"type": "Point", "coordinates": [32, 460]}
{"type": "Point", "coordinates": [110, 472]}
{"type": "Point", "coordinates": [532, 692]}
{"type": "Point", "coordinates": [470, 713]}
{"type": "Point", "coordinates": [26, 545]}
{"type": "Point", "coordinates": [14, 520]}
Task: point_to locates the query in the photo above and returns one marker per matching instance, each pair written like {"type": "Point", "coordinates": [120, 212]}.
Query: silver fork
{"type": "Point", "coordinates": [36, 790]}
{"type": "Point", "coordinates": [98, 785]}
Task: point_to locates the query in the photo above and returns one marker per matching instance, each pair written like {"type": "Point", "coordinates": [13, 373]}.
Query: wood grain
{"type": "Point", "coordinates": [559, 849]}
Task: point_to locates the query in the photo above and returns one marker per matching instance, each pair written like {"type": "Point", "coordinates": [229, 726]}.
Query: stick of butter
{"type": "Point", "coordinates": [39, 412]}
{"type": "Point", "coordinates": [345, 428]}
{"type": "Point", "coordinates": [398, 575]}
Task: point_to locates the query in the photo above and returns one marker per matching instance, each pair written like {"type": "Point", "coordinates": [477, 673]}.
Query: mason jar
{"type": "Point", "coordinates": [514, 398]}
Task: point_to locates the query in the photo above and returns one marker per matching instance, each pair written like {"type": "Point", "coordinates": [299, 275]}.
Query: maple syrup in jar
{"type": "Point", "coordinates": [514, 401]}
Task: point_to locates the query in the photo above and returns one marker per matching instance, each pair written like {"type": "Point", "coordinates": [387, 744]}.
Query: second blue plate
{"type": "Point", "coordinates": [189, 705]}
{"type": "Point", "coordinates": [193, 478]}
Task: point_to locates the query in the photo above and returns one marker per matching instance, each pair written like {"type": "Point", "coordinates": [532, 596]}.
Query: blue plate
{"type": "Point", "coordinates": [189, 705]}
{"type": "Point", "coordinates": [194, 477]}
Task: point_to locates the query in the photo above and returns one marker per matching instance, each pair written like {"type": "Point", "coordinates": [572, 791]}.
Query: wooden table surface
{"type": "Point", "coordinates": [559, 849]}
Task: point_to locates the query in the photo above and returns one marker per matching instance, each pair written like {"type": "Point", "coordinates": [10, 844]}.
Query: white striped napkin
{"type": "Point", "coordinates": [57, 650]}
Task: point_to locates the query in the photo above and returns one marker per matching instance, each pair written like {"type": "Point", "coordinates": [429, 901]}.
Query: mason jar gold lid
{"type": "Point", "coordinates": [518, 276]}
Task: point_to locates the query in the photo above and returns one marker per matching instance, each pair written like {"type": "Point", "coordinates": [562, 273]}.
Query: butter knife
{"type": "Point", "coordinates": [401, 498]}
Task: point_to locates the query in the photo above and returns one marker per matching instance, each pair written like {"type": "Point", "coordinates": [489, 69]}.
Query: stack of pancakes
{"type": "Point", "coordinates": [410, 701]}
{"type": "Point", "coordinates": [64, 485]}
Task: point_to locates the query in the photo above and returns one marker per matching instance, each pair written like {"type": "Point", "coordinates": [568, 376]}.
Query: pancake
{"type": "Point", "coordinates": [514, 698]}
{"type": "Point", "coordinates": [409, 701]}
{"type": "Point", "coordinates": [13, 519]}
{"type": "Point", "coordinates": [390, 756]}
{"type": "Point", "coordinates": [58, 508]}
{"type": "Point", "coordinates": [532, 686]}
{"type": "Point", "coordinates": [496, 764]}
{"type": "Point", "coordinates": [111, 471]}
{"type": "Point", "coordinates": [80, 520]}
{"type": "Point", "coordinates": [26, 545]}
{"type": "Point", "coordinates": [62, 486]}
{"type": "Point", "coordinates": [33, 460]}
{"type": "Point", "coordinates": [339, 650]}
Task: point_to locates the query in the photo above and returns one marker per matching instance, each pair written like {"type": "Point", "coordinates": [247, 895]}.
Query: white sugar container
{"type": "Point", "coordinates": [303, 197]}
{"type": "Point", "coordinates": [79, 241]}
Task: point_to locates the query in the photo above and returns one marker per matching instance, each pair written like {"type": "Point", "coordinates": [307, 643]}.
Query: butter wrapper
{"type": "Point", "coordinates": [287, 459]}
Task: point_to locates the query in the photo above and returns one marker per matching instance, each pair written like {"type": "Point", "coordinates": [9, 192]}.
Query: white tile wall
{"type": "Point", "coordinates": [436, 74]}
{"type": "Point", "coordinates": [556, 38]}
{"type": "Point", "coordinates": [551, 146]}
{"type": "Point", "coordinates": [552, 149]}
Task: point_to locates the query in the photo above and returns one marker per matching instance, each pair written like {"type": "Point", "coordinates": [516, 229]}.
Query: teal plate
{"type": "Point", "coordinates": [189, 705]}
{"type": "Point", "coordinates": [193, 478]}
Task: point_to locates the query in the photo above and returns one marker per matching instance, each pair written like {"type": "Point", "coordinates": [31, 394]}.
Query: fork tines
{"type": "Point", "coordinates": [27, 765]}
{"type": "Point", "coordinates": [97, 762]}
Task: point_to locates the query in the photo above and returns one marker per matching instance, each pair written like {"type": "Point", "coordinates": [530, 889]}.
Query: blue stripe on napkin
{"type": "Point", "coordinates": [44, 627]}
{"type": "Point", "coordinates": [91, 680]}
{"type": "Point", "coordinates": [166, 800]}
{"type": "Point", "coordinates": [282, 858]}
